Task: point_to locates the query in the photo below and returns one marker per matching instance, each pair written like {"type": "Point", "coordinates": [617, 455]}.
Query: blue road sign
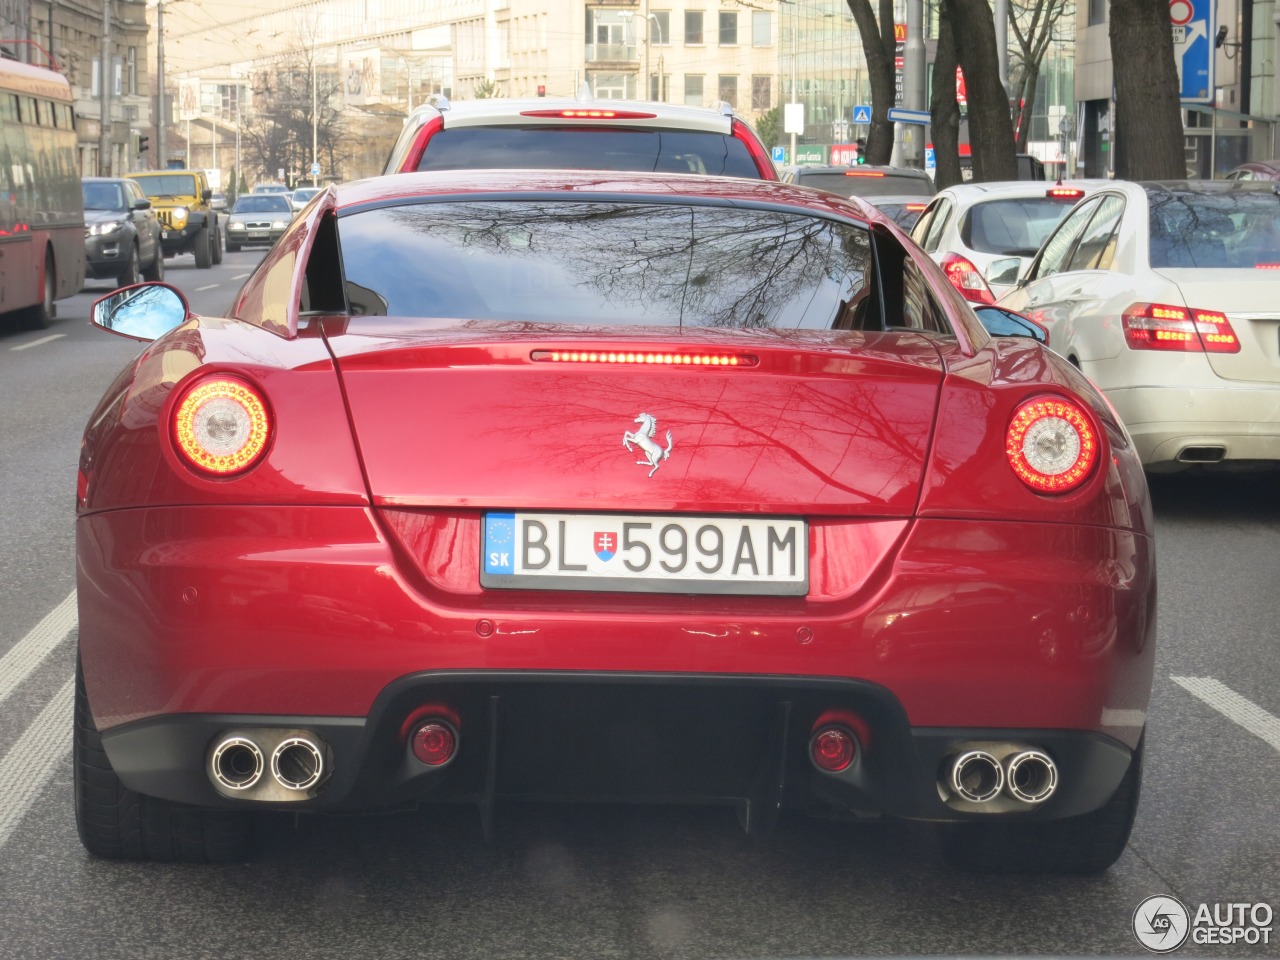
{"type": "Point", "coordinates": [1193, 29]}
{"type": "Point", "coordinates": [779, 154]}
{"type": "Point", "coordinates": [930, 159]}
{"type": "Point", "coordinates": [862, 114]}
{"type": "Point", "coordinates": [899, 115]}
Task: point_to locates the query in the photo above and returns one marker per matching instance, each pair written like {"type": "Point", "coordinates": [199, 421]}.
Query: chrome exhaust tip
{"type": "Point", "coordinates": [236, 763]}
{"type": "Point", "coordinates": [1031, 776]}
{"type": "Point", "coordinates": [298, 763]}
{"type": "Point", "coordinates": [977, 776]}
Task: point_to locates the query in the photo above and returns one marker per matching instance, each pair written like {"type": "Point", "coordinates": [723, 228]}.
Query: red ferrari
{"type": "Point", "coordinates": [545, 485]}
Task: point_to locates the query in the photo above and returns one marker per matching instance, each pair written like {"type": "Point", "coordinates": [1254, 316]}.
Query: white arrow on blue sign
{"type": "Point", "coordinates": [862, 114]}
{"type": "Point", "coordinates": [898, 115]}
{"type": "Point", "coordinates": [315, 169]}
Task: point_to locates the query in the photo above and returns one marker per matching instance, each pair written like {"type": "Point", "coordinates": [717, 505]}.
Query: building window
{"type": "Point", "coordinates": [613, 86]}
{"type": "Point", "coordinates": [728, 28]}
{"type": "Point", "coordinates": [95, 82]}
{"type": "Point", "coordinates": [761, 92]}
{"type": "Point", "coordinates": [729, 90]}
{"type": "Point", "coordinates": [693, 89]}
{"type": "Point", "coordinates": [131, 71]}
{"type": "Point", "coordinates": [761, 28]}
{"type": "Point", "coordinates": [660, 27]}
{"type": "Point", "coordinates": [693, 26]}
{"type": "Point", "coordinates": [1097, 12]}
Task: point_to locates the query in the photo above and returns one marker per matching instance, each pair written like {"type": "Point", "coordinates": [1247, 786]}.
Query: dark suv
{"type": "Point", "coordinates": [121, 232]}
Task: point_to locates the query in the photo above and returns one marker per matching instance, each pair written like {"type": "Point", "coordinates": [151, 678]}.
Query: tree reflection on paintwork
{"type": "Point", "coordinates": [607, 263]}
{"type": "Point", "coordinates": [142, 312]}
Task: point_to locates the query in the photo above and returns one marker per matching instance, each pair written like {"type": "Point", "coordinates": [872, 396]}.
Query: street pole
{"type": "Point", "coordinates": [162, 121]}
{"type": "Point", "coordinates": [104, 78]}
{"type": "Point", "coordinates": [913, 96]}
{"type": "Point", "coordinates": [315, 156]}
{"type": "Point", "coordinates": [792, 154]}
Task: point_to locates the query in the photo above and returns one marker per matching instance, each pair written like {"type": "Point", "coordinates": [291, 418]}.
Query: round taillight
{"type": "Point", "coordinates": [1051, 444]}
{"type": "Point", "coordinates": [434, 743]}
{"type": "Point", "coordinates": [221, 426]}
{"type": "Point", "coordinates": [833, 749]}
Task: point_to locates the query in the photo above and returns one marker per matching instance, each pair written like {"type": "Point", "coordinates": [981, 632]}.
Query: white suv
{"type": "Point", "coordinates": [585, 134]}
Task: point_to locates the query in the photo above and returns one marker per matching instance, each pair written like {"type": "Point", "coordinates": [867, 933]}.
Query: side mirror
{"type": "Point", "coordinates": [142, 312]}
{"type": "Point", "coordinates": [1004, 271]}
{"type": "Point", "coordinates": [206, 194]}
{"type": "Point", "coordinates": [1005, 323]}
{"type": "Point", "coordinates": [142, 204]}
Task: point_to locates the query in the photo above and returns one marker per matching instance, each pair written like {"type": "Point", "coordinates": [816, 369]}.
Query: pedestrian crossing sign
{"type": "Point", "coordinates": [862, 114]}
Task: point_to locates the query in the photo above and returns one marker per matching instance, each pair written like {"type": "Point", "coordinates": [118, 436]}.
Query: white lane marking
{"type": "Point", "coordinates": [1233, 706]}
{"type": "Point", "coordinates": [36, 343]}
{"type": "Point", "coordinates": [208, 286]}
{"type": "Point", "coordinates": [240, 276]}
{"type": "Point", "coordinates": [30, 762]}
{"type": "Point", "coordinates": [28, 653]}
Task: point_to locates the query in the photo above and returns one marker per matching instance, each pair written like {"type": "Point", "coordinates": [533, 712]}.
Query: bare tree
{"type": "Point", "coordinates": [1148, 128]}
{"type": "Point", "coordinates": [878, 47]}
{"type": "Point", "coordinates": [1033, 23]}
{"type": "Point", "coordinates": [945, 109]}
{"type": "Point", "coordinates": [278, 133]}
{"type": "Point", "coordinates": [990, 126]}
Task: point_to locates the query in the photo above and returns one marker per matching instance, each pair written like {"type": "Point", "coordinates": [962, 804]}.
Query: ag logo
{"type": "Point", "coordinates": [1161, 924]}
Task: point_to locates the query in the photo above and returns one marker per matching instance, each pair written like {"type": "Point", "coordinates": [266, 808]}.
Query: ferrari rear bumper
{"type": "Point", "coordinates": [730, 740]}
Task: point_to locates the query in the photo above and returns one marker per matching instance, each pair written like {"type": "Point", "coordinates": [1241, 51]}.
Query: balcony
{"type": "Point", "coordinates": [613, 53]}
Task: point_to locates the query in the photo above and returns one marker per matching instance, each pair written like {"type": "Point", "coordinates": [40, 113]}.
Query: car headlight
{"type": "Point", "coordinates": [236, 226]}
{"type": "Point", "coordinates": [278, 225]}
{"type": "Point", "coordinates": [179, 216]}
{"type": "Point", "coordinates": [104, 229]}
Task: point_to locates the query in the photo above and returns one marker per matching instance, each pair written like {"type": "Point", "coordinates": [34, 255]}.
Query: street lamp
{"type": "Point", "coordinates": [657, 22]}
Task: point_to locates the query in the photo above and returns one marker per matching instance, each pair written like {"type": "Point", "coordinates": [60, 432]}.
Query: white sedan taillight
{"type": "Point", "coordinates": [966, 278]}
{"type": "Point", "coordinates": [1161, 326]}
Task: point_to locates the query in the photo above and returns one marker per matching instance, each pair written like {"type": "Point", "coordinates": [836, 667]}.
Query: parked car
{"type": "Point", "coordinates": [1165, 295]}
{"type": "Point", "coordinates": [704, 466]}
{"type": "Point", "coordinates": [983, 234]}
{"type": "Point", "coordinates": [121, 232]}
{"type": "Point", "coordinates": [218, 201]}
{"type": "Point", "coordinates": [862, 180]}
{"type": "Point", "coordinates": [1256, 170]}
{"type": "Point", "coordinates": [298, 199]}
{"type": "Point", "coordinates": [258, 219]}
{"type": "Point", "coordinates": [559, 132]}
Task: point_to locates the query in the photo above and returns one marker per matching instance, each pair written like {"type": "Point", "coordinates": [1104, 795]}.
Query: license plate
{"type": "Point", "coordinates": [257, 234]}
{"type": "Point", "coordinates": [668, 553]}
{"type": "Point", "coordinates": [164, 234]}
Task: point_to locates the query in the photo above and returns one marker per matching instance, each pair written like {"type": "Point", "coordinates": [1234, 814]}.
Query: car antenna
{"type": "Point", "coordinates": [584, 91]}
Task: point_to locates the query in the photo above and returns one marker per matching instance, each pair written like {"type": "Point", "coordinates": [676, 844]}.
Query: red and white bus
{"type": "Point", "coordinates": [41, 211]}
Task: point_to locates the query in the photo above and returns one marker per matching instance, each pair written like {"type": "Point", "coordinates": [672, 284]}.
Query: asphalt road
{"type": "Point", "coordinates": [595, 882]}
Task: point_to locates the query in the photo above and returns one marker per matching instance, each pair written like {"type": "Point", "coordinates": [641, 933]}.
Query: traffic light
{"type": "Point", "coordinates": [860, 151]}
{"type": "Point", "coordinates": [542, 90]}
{"type": "Point", "coordinates": [143, 142]}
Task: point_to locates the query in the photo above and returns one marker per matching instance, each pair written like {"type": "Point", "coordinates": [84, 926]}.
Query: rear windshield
{"type": "Point", "coordinates": [1223, 230]}
{"type": "Point", "coordinates": [582, 148]}
{"type": "Point", "coordinates": [1013, 228]}
{"type": "Point", "coordinates": [603, 263]}
{"type": "Point", "coordinates": [855, 184]}
{"type": "Point", "coordinates": [262, 203]}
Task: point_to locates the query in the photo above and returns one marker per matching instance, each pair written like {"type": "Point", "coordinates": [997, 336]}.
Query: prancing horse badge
{"type": "Point", "coordinates": [643, 438]}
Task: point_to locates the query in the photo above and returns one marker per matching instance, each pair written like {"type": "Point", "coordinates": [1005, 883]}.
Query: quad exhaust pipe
{"type": "Point", "coordinates": [997, 776]}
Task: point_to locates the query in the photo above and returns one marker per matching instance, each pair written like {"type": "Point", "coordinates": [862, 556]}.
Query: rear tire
{"type": "Point", "coordinates": [203, 249]}
{"type": "Point", "coordinates": [217, 244]}
{"type": "Point", "coordinates": [41, 315]}
{"type": "Point", "coordinates": [129, 276]}
{"type": "Point", "coordinates": [117, 824]}
{"type": "Point", "coordinates": [1086, 844]}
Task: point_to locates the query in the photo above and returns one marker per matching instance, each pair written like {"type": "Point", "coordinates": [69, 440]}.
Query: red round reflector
{"type": "Point", "coordinates": [434, 743]}
{"type": "Point", "coordinates": [1051, 445]}
{"type": "Point", "coordinates": [833, 749]}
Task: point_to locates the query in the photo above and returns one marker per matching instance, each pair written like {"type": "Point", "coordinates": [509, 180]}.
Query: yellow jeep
{"type": "Point", "coordinates": [181, 200]}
